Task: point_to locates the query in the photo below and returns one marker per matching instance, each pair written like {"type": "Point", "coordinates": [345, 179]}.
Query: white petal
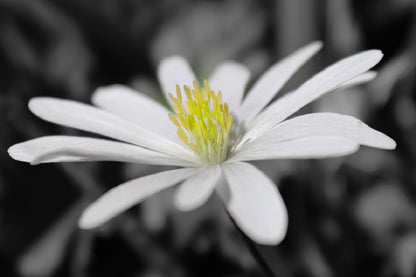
{"type": "Point", "coordinates": [316, 147]}
{"type": "Point", "coordinates": [54, 149]}
{"type": "Point", "coordinates": [174, 71]}
{"type": "Point", "coordinates": [88, 118]}
{"type": "Point", "coordinates": [360, 79]}
{"type": "Point", "coordinates": [273, 80]}
{"type": "Point", "coordinates": [137, 108]}
{"type": "Point", "coordinates": [326, 124]}
{"type": "Point", "coordinates": [327, 80]}
{"type": "Point", "coordinates": [269, 111]}
{"type": "Point", "coordinates": [126, 195]}
{"type": "Point", "coordinates": [255, 203]}
{"type": "Point", "coordinates": [231, 79]}
{"type": "Point", "coordinates": [195, 191]}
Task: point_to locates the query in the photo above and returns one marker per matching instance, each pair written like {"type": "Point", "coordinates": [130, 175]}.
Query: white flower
{"type": "Point", "coordinates": [209, 139]}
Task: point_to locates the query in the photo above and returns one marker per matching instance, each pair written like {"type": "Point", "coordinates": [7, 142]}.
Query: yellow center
{"type": "Point", "coordinates": [203, 121]}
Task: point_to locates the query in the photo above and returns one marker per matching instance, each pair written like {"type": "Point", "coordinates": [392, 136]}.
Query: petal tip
{"type": "Point", "coordinates": [12, 152]}
{"type": "Point", "coordinates": [179, 203]}
{"type": "Point", "coordinates": [317, 44]}
{"type": "Point", "coordinates": [274, 240]}
{"type": "Point", "coordinates": [272, 237]}
{"type": "Point", "coordinates": [383, 141]}
{"type": "Point", "coordinates": [378, 54]}
{"type": "Point", "coordinates": [33, 103]}
{"type": "Point", "coordinates": [104, 92]}
{"type": "Point", "coordinates": [16, 153]}
{"type": "Point", "coordinates": [182, 205]}
{"type": "Point", "coordinates": [173, 58]}
{"type": "Point", "coordinates": [380, 140]}
{"type": "Point", "coordinates": [236, 66]}
{"type": "Point", "coordinates": [86, 221]}
{"type": "Point", "coordinates": [372, 56]}
{"type": "Point", "coordinates": [37, 104]}
{"type": "Point", "coordinates": [389, 143]}
{"type": "Point", "coordinates": [371, 74]}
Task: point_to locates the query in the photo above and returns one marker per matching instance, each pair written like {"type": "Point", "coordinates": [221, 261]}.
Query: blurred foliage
{"type": "Point", "coordinates": [352, 216]}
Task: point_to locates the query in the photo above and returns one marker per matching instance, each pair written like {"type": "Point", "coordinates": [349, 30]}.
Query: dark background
{"type": "Point", "coordinates": [351, 216]}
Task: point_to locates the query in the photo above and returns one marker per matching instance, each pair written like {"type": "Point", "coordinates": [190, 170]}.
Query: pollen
{"type": "Point", "coordinates": [203, 121]}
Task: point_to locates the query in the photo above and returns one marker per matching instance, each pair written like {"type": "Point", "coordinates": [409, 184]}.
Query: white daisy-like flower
{"type": "Point", "coordinates": [211, 133]}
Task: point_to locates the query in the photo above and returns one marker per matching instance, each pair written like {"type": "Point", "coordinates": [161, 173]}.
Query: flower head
{"type": "Point", "coordinates": [210, 135]}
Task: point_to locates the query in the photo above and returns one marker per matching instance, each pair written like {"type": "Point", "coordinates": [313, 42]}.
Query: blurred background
{"type": "Point", "coordinates": [351, 216]}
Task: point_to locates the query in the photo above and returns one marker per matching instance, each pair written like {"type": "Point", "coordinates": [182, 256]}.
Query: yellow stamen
{"type": "Point", "coordinates": [183, 121]}
{"type": "Point", "coordinates": [219, 95]}
{"type": "Point", "coordinates": [219, 139]}
{"type": "Point", "coordinates": [187, 92]}
{"type": "Point", "coordinates": [229, 122]}
{"type": "Point", "coordinates": [194, 147]}
{"type": "Point", "coordinates": [203, 121]}
{"type": "Point", "coordinates": [226, 109]}
{"type": "Point", "coordinates": [182, 136]}
{"type": "Point", "coordinates": [189, 106]}
{"type": "Point", "coordinates": [178, 93]}
{"type": "Point", "coordinates": [174, 120]}
{"type": "Point", "coordinates": [171, 97]}
{"type": "Point", "coordinates": [206, 85]}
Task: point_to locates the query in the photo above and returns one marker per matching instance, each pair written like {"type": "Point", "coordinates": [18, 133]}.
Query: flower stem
{"type": "Point", "coordinates": [255, 252]}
